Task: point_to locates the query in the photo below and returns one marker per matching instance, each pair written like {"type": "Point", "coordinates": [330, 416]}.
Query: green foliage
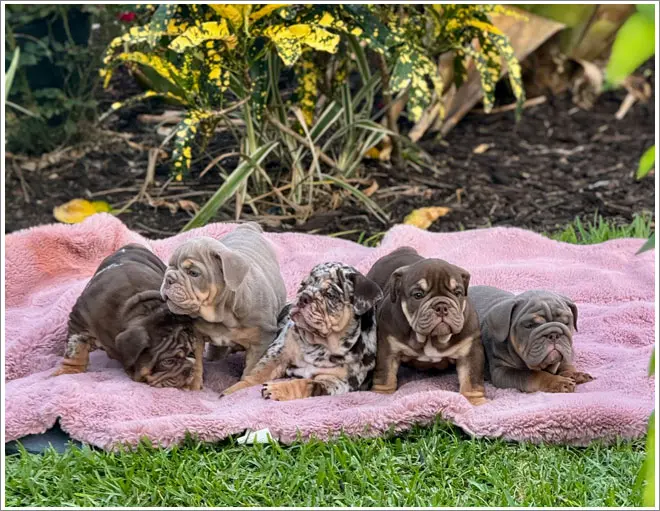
{"type": "Point", "coordinates": [599, 230]}
{"type": "Point", "coordinates": [634, 44]}
{"type": "Point", "coordinates": [225, 64]}
{"type": "Point", "coordinates": [646, 163]}
{"type": "Point", "coordinates": [428, 466]}
{"type": "Point", "coordinates": [52, 97]}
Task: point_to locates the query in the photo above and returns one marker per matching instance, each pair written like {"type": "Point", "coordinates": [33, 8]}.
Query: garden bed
{"type": "Point", "coordinates": [558, 163]}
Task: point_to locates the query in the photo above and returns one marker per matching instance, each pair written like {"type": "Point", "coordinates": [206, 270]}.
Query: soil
{"type": "Point", "coordinates": [557, 163]}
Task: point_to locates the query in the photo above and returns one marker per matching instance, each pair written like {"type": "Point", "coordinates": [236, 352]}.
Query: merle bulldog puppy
{"type": "Point", "coordinates": [528, 339]}
{"type": "Point", "coordinates": [426, 320]}
{"type": "Point", "coordinates": [121, 312]}
{"type": "Point", "coordinates": [232, 287]}
{"type": "Point", "coordinates": [327, 343]}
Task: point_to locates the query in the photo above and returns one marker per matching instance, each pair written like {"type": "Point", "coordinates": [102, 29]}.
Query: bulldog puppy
{"type": "Point", "coordinates": [233, 287]}
{"type": "Point", "coordinates": [528, 339]}
{"type": "Point", "coordinates": [426, 320]}
{"type": "Point", "coordinates": [121, 312]}
{"type": "Point", "coordinates": [328, 339]}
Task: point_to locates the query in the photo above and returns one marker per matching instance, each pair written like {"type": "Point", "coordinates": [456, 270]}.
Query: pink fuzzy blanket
{"type": "Point", "coordinates": [47, 268]}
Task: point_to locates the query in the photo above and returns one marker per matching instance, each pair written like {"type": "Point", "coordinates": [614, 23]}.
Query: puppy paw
{"type": "Point", "coordinates": [578, 377]}
{"type": "Point", "coordinates": [559, 384]}
{"type": "Point", "coordinates": [286, 390]}
{"type": "Point", "coordinates": [383, 389]}
{"type": "Point", "coordinates": [236, 387]}
{"type": "Point", "coordinates": [476, 399]}
{"type": "Point", "coordinates": [67, 369]}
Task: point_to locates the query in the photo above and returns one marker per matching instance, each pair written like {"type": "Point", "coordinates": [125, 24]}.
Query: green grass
{"type": "Point", "coordinates": [586, 232]}
{"type": "Point", "coordinates": [428, 466]}
{"type": "Point", "coordinates": [432, 466]}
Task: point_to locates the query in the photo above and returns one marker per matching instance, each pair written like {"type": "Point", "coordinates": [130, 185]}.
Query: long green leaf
{"type": "Point", "coordinates": [648, 499]}
{"type": "Point", "coordinates": [229, 187]}
{"type": "Point", "coordinates": [634, 44]}
{"type": "Point", "coordinates": [646, 162]}
{"type": "Point", "coordinates": [649, 245]}
{"type": "Point", "coordinates": [9, 76]}
{"type": "Point", "coordinates": [371, 205]}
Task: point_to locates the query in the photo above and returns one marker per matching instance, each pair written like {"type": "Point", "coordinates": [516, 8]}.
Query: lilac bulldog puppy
{"type": "Point", "coordinates": [232, 287]}
{"type": "Point", "coordinates": [528, 339]}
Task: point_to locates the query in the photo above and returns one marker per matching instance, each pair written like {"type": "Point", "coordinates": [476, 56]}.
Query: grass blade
{"type": "Point", "coordinates": [646, 163]}
{"type": "Point", "coordinates": [371, 205]}
{"type": "Point", "coordinates": [229, 187]}
{"type": "Point", "coordinates": [9, 76]}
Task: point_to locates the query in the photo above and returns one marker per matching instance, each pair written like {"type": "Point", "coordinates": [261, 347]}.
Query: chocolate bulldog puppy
{"type": "Point", "coordinates": [121, 312]}
{"type": "Point", "coordinates": [528, 339]}
{"type": "Point", "coordinates": [232, 286]}
{"type": "Point", "coordinates": [327, 343]}
{"type": "Point", "coordinates": [425, 319]}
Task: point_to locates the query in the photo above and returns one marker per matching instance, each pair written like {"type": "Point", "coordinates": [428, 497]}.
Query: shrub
{"type": "Point", "coordinates": [52, 97]}
{"type": "Point", "coordinates": [347, 64]}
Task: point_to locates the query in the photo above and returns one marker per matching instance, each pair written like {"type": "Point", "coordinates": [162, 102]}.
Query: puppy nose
{"type": "Point", "coordinates": [441, 308]}
{"type": "Point", "coordinates": [304, 300]}
{"type": "Point", "coordinates": [554, 337]}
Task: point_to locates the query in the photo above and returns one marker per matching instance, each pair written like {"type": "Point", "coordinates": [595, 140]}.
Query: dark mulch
{"type": "Point", "coordinates": [558, 163]}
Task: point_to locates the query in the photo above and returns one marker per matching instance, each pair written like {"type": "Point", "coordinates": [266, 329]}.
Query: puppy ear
{"type": "Point", "coordinates": [365, 293]}
{"type": "Point", "coordinates": [573, 307]}
{"type": "Point", "coordinates": [234, 268]}
{"type": "Point", "coordinates": [499, 319]}
{"type": "Point", "coordinates": [131, 343]}
{"type": "Point", "coordinates": [465, 275]}
{"type": "Point", "coordinates": [394, 284]}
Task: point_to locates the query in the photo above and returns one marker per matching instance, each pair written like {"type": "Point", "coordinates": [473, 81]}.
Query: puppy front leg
{"type": "Point", "coordinates": [530, 381]}
{"type": "Point", "coordinates": [300, 388]}
{"type": "Point", "coordinates": [387, 367]}
{"type": "Point", "coordinates": [470, 371]}
{"type": "Point", "coordinates": [198, 369]}
{"type": "Point", "coordinates": [256, 350]}
{"type": "Point", "coordinates": [271, 366]}
{"type": "Point", "coordinates": [76, 356]}
{"type": "Point", "coordinates": [569, 371]}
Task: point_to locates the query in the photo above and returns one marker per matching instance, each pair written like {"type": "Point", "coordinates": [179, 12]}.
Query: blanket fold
{"type": "Point", "coordinates": [48, 266]}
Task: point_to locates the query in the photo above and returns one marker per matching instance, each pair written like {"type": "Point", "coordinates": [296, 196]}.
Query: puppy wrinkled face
{"type": "Point", "coordinates": [170, 363]}
{"type": "Point", "coordinates": [542, 334]}
{"type": "Point", "coordinates": [323, 304]}
{"type": "Point", "coordinates": [330, 301]}
{"type": "Point", "coordinates": [433, 296]}
{"type": "Point", "coordinates": [191, 279]}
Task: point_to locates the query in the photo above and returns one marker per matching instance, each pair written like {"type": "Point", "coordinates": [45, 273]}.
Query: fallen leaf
{"type": "Point", "coordinates": [481, 148]}
{"type": "Point", "coordinates": [372, 189]}
{"type": "Point", "coordinates": [189, 206]}
{"type": "Point", "coordinates": [424, 217]}
{"type": "Point", "coordinates": [77, 210]}
{"type": "Point", "coordinates": [372, 153]}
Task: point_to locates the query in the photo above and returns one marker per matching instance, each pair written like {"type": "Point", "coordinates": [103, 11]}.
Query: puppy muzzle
{"type": "Point", "coordinates": [549, 346]}
{"type": "Point", "coordinates": [439, 317]}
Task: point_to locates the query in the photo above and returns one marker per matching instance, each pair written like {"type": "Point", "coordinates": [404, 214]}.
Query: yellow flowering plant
{"type": "Point", "coordinates": [313, 84]}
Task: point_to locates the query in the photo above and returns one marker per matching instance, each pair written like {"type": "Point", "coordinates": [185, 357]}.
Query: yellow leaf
{"type": "Point", "coordinates": [265, 11]}
{"type": "Point", "coordinates": [289, 40]}
{"type": "Point", "coordinates": [194, 36]}
{"type": "Point", "coordinates": [487, 27]}
{"type": "Point", "coordinates": [77, 210]}
{"type": "Point", "coordinates": [233, 13]}
{"type": "Point", "coordinates": [424, 217]}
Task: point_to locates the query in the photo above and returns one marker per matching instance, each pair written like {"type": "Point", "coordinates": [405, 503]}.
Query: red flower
{"type": "Point", "coordinates": [126, 17]}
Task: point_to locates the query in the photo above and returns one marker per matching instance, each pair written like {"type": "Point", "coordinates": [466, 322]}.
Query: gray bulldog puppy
{"type": "Point", "coordinates": [528, 339]}
{"type": "Point", "coordinates": [232, 286]}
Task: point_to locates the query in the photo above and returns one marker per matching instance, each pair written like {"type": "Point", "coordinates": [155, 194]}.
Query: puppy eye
{"type": "Point", "coordinates": [458, 292]}
{"type": "Point", "coordinates": [417, 294]}
{"type": "Point", "coordinates": [168, 362]}
{"type": "Point", "coordinates": [193, 272]}
{"type": "Point", "coordinates": [529, 326]}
